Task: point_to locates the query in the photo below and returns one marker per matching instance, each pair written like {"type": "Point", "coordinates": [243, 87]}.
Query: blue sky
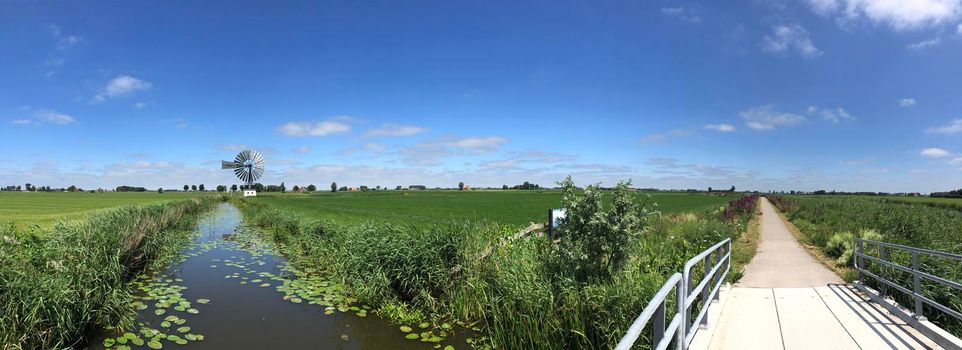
{"type": "Point", "coordinates": [769, 95]}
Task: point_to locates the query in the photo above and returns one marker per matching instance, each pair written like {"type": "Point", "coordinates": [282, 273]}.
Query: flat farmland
{"type": "Point", "coordinates": [43, 208]}
{"type": "Point", "coordinates": [506, 207]}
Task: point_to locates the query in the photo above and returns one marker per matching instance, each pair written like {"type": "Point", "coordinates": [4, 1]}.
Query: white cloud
{"type": "Point", "coordinates": [935, 153]}
{"type": "Point", "coordinates": [833, 115]}
{"type": "Point", "coordinates": [63, 41]}
{"type": "Point", "coordinates": [958, 30]}
{"type": "Point", "coordinates": [767, 118]}
{"type": "Point", "coordinates": [952, 127]}
{"type": "Point", "coordinates": [897, 14]}
{"type": "Point", "coordinates": [664, 136]}
{"type": "Point", "coordinates": [791, 37]}
{"type": "Point", "coordinates": [956, 161]}
{"type": "Point", "coordinates": [479, 143]}
{"type": "Point", "coordinates": [924, 44]}
{"type": "Point", "coordinates": [390, 129]}
{"type": "Point", "coordinates": [139, 105]}
{"type": "Point", "coordinates": [301, 150]}
{"type": "Point", "coordinates": [46, 116]}
{"type": "Point", "coordinates": [321, 128]}
{"type": "Point", "coordinates": [122, 85]}
{"type": "Point", "coordinates": [907, 102]}
{"type": "Point", "coordinates": [720, 127]}
{"type": "Point", "coordinates": [22, 121]}
{"type": "Point", "coordinates": [682, 13]}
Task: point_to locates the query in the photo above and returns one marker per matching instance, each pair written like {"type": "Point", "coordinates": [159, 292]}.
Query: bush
{"type": "Point", "coordinates": [839, 246]}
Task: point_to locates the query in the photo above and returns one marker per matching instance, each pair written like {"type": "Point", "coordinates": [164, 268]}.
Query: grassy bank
{"type": "Point", "coordinates": [831, 222]}
{"type": "Point", "coordinates": [526, 293]}
{"type": "Point", "coordinates": [60, 285]}
{"type": "Point", "coordinates": [44, 208]}
{"type": "Point", "coordinates": [513, 207]}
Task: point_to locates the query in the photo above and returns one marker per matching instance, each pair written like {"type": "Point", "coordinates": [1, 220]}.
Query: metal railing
{"type": "Point", "coordinates": [915, 291]}
{"type": "Point", "coordinates": [717, 263]}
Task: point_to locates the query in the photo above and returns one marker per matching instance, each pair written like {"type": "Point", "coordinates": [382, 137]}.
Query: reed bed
{"type": "Point", "coordinates": [61, 285]}
{"type": "Point", "coordinates": [520, 295]}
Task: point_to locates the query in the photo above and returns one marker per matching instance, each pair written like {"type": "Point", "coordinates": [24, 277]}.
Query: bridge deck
{"type": "Point", "coordinates": [788, 300]}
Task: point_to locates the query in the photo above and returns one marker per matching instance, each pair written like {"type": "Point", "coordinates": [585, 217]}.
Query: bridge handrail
{"type": "Point", "coordinates": [915, 291]}
{"type": "Point", "coordinates": [679, 328]}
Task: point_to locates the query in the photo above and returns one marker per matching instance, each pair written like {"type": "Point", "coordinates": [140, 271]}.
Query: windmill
{"type": "Point", "coordinates": [248, 167]}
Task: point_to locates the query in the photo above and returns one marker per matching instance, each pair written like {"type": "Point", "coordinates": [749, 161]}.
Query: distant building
{"type": "Point", "coordinates": [353, 189]}
{"type": "Point", "coordinates": [250, 193]}
{"type": "Point", "coordinates": [467, 187]}
{"type": "Point", "coordinates": [417, 187]}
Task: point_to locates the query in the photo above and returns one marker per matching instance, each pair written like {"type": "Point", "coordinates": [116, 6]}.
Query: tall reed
{"type": "Point", "coordinates": [60, 286]}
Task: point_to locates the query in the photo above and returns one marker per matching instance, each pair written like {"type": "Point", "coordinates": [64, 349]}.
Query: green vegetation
{"type": "Point", "coordinates": [830, 222]}
{"type": "Point", "coordinates": [426, 207]}
{"type": "Point", "coordinates": [43, 208]}
{"type": "Point", "coordinates": [59, 285]}
{"type": "Point", "coordinates": [449, 257]}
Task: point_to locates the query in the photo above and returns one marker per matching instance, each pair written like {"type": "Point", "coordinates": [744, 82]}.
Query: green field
{"type": "Point", "coordinates": [43, 208]}
{"type": "Point", "coordinates": [507, 207]}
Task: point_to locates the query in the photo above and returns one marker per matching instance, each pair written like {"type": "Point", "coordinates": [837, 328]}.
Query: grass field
{"type": "Point", "coordinates": [43, 208]}
{"type": "Point", "coordinates": [506, 207]}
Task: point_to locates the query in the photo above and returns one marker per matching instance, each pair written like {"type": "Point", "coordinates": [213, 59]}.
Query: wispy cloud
{"type": "Point", "coordinates": [899, 15]}
{"type": "Point", "coordinates": [790, 37]}
{"type": "Point", "coordinates": [924, 44]}
{"type": "Point", "coordinates": [665, 136]}
{"type": "Point", "coordinates": [907, 102]}
{"type": "Point", "coordinates": [301, 150]}
{"type": "Point", "coordinates": [833, 115]}
{"type": "Point", "coordinates": [46, 116]}
{"type": "Point", "coordinates": [720, 127]}
{"type": "Point", "coordinates": [315, 129]}
{"type": "Point", "coordinates": [390, 129]}
{"type": "Point", "coordinates": [682, 13]}
{"type": "Point", "coordinates": [935, 152]}
{"type": "Point", "coordinates": [953, 127]}
{"type": "Point", "coordinates": [64, 41]}
{"type": "Point", "coordinates": [122, 85]}
{"type": "Point", "coordinates": [767, 118]}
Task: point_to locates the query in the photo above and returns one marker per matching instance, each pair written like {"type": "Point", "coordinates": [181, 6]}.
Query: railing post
{"type": "Point", "coordinates": [917, 282]}
{"type": "Point", "coordinates": [707, 290]}
{"type": "Point", "coordinates": [658, 328]}
{"type": "Point", "coordinates": [883, 288]}
{"type": "Point", "coordinates": [680, 295]}
{"type": "Point", "coordinates": [718, 259]}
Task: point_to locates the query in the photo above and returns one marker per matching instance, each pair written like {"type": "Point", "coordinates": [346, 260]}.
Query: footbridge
{"type": "Point", "coordinates": [789, 300]}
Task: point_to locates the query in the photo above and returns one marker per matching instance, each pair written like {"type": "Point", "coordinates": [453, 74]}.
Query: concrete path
{"type": "Point", "coordinates": [780, 261]}
{"type": "Point", "coordinates": [788, 300]}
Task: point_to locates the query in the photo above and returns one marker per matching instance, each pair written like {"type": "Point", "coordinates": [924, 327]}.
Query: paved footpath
{"type": "Point", "coordinates": [789, 300]}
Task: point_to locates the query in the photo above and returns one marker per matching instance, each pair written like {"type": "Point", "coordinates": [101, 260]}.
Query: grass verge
{"type": "Point", "coordinates": [59, 286]}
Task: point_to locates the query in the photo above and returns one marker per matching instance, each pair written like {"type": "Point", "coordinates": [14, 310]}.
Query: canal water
{"type": "Point", "coordinates": [232, 290]}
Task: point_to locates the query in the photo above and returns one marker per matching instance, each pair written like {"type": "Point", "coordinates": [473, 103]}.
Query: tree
{"type": "Point", "coordinates": [186, 188]}
{"type": "Point", "coordinates": [461, 186]}
{"type": "Point", "coordinates": [72, 188]}
{"type": "Point", "coordinates": [201, 187]}
{"type": "Point", "coordinates": [160, 190]}
{"type": "Point", "coordinates": [283, 189]}
{"type": "Point", "coordinates": [296, 188]}
{"type": "Point", "coordinates": [504, 187]}
{"type": "Point", "coordinates": [311, 188]}
{"type": "Point", "coordinates": [28, 187]}
{"type": "Point", "coordinates": [398, 188]}
{"type": "Point", "coordinates": [193, 187]}
{"type": "Point", "coordinates": [732, 190]}
{"type": "Point", "coordinates": [334, 187]}
{"type": "Point", "coordinates": [709, 190]}
{"type": "Point", "coordinates": [18, 188]}
{"type": "Point", "coordinates": [221, 188]}
{"type": "Point", "coordinates": [233, 187]}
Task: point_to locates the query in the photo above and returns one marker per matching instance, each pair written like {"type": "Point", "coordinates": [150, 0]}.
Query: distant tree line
{"type": "Point", "coordinates": [130, 189]}
{"type": "Point", "coordinates": [525, 186]}
{"type": "Point", "coordinates": [949, 194]}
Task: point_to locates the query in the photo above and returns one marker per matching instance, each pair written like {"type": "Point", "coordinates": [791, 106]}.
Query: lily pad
{"type": "Point", "coordinates": [193, 311]}
{"type": "Point", "coordinates": [183, 329]}
{"type": "Point", "coordinates": [203, 301]}
{"type": "Point", "coordinates": [109, 342]}
{"type": "Point", "coordinates": [153, 344]}
{"type": "Point", "coordinates": [159, 312]}
{"type": "Point", "coordinates": [412, 336]}
{"type": "Point", "coordinates": [405, 329]}
{"type": "Point", "coordinates": [424, 325]}
{"type": "Point", "coordinates": [449, 347]}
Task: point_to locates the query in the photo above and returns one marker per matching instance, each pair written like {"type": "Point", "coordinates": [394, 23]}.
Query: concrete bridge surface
{"type": "Point", "coordinates": [788, 300]}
